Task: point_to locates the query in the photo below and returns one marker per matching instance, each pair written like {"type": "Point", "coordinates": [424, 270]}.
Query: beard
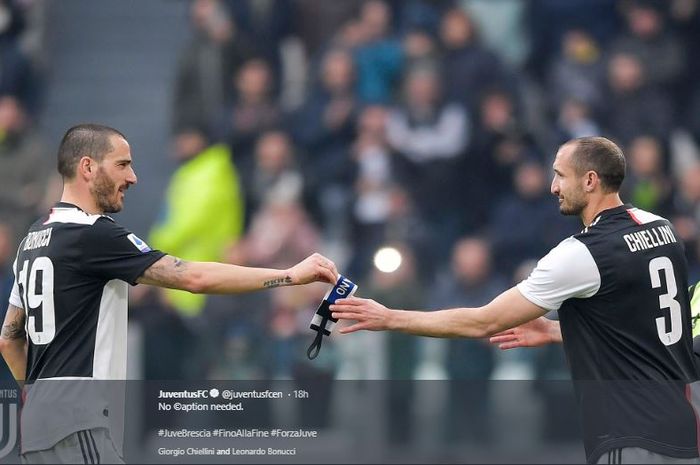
{"type": "Point", "coordinates": [105, 193]}
{"type": "Point", "coordinates": [572, 207]}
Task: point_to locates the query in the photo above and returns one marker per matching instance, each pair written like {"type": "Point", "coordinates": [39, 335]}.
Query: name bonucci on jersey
{"type": "Point", "coordinates": [38, 239]}
{"type": "Point", "coordinates": [649, 238]}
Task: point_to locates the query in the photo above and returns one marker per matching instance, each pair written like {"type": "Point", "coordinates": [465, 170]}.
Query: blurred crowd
{"type": "Point", "coordinates": [428, 126]}
{"type": "Point", "coordinates": [347, 126]}
{"type": "Point", "coordinates": [24, 175]}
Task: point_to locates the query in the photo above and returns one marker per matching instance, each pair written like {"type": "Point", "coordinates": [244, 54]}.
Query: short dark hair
{"type": "Point", "coordinates": [84, 140]}
{"type": "Point", "coordinates": [602, 156]}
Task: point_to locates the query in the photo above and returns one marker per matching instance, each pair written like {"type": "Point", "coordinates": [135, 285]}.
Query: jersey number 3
{"type": "Point", "coordinates": [39, 298]}
{"type": "Point", "coordinates": [667, 300]}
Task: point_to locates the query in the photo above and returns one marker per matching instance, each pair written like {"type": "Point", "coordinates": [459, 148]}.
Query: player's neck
{"type": "Point", "coordinates": [81, 198]}
{"type": "Point", "coordinates": [599, 204]}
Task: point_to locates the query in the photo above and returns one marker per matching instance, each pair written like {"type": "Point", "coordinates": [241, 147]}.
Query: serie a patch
{"type": "Point", "coordinates": [141, 245]}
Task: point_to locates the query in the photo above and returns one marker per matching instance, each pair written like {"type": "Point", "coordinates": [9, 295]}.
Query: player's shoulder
{"type": "Point", "coordinates": [85, 227]}
{"type": "Point", "coordinates": [569, 250]}
{"type": "Point", "coordinates": [643, 217]}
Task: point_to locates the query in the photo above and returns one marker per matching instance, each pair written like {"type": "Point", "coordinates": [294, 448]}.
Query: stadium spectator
{"type": "Point", "coordinates": [501, 143]}
{"type": "Point", "coordinates": [503, 27]}
{"type": "Point", "coordinates": [649, 40]}
{"type": "Point", "coordinates": [372, 189]}
{"type": "Point", "coordinates": [647, 184]}
{"type": "Point", "coordinates": [326, 122]}
{"type": "Point", "coordinates": [686, 200]}
{"type": "Point", "coordinates": [575, 119]}
{"type": "Point", "coordinates": [215, 53]}
{"type": "Point", "coordinates": [203, 209]}
{"type": "Point", "coordinates": [280, 231]}
{"type": "Point", "coordinates": [317, 22]}
{"type": "Point", "coordinates": [401, 287]}
{"type": "Point", "coordinates": [578, 72]}
{"type": "Point", "coordinates": [469, 281]}
{"type": "Point", "coordinates": [549, 20]}
{"type": "Point", "coordinates": [378, 55]}
{"type": "Point", "coordinates": [632, 107]}
{"type": "Point", "coordinates": [17, 76]}
{"type": "Point", "coordinates": [540, 226]}
{"type": "Point", "coordinates": [253, 111]}
{"type": "Point", "coordinates": [276, 172]}
{"type": "Point", "coordinates": [270, 23]}
{"type": "Point", "coordinates": [325, 127]}
{"type": "Point", "coordinates": [469, 68]}
{"type": "Point", "coordinates": [24, 171]}
{"type": "Point", "coordinates": [420, 49]}
{"type": "Point", "coordinates": [429, 134]}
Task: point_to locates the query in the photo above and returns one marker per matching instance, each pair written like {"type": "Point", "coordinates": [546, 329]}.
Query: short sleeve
{"type": "Point", "coordinates": [695, 308]}
{"type": "Point", "coordinates": [15, 298]}
{"type": "Point", "coordinates": [567, 271]}
{"type": "Point", "coordinates": [111, 251]}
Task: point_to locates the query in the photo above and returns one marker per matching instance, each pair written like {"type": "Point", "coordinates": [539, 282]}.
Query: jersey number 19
{"type": "Point", "coordinates": [39, 299]}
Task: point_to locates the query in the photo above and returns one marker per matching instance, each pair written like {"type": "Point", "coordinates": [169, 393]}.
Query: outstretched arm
{"type": "Point", "coordinates": [508, 310]}
{"type": "Point", "coordinates": [535, 333]}
{"type": "Point", "coordinates": [13, 342]}
{"type": "Point", "coordinates": [220, 278]}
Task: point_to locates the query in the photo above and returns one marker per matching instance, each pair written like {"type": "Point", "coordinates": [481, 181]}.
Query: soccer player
{"type": "Point", "coordinates": [620, 288]}
{"type": "Point", "coordinates": [67, 317]}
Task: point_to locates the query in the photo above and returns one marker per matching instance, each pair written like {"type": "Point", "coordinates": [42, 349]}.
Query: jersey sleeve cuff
{"type": "Point", "coordinates": [154, 256]}
{"type": "Point", "coordinates": [535, 300]}
{"type": "Point", "coordinates": [16, 301]}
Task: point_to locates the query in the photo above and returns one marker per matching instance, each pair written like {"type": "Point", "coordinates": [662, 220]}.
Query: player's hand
{"type": "Point", "coordinates": [369, 315]}
{"type": "Point", "coordinates": [535, 333]}
{"type": "Point", "coordinates": [313, 268]}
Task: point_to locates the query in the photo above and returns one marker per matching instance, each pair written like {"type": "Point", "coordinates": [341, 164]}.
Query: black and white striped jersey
{"type": "Point", "coordinates": [620, 287]}
{"type": "Point", "coordinates": [71, 275]}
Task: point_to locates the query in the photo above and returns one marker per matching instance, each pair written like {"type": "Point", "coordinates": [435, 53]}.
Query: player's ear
{"type": "Point", "coordinates": [86, 167]}
{"type": "Point", "coordinates": [591, 181]}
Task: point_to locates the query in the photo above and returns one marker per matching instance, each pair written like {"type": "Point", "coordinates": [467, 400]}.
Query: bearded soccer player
{"type": "Point", "coordinates": [620, 289]}
{"type": "Point", "coordinates": [67, 319]}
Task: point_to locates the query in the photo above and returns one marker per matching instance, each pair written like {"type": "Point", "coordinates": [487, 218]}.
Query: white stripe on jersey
{"type": "Point", "coordinates": [109, 361]}
{"type": "Point", "coordinates": [643, 217]}
{"type": "Point", "coordinates": [71, 215]}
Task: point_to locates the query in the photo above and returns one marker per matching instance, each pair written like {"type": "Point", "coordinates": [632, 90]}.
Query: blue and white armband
{"type": "Point", "coordinates": [322, 322]}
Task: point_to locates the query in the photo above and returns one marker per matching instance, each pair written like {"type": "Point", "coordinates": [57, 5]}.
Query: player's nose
{"type": "Point", "coordinates": [131, 178]}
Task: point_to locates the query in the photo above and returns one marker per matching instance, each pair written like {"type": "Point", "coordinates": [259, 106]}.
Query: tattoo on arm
{"type": "Point", "coordinates": [14, 324]}
{"type": "Point", "coordinates": [166, 272]}
{"type": "Point", "coordinates": [277, 282]}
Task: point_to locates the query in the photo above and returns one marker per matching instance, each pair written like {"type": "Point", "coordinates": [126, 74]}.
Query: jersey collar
{"type": "Point", "coordinates": [66, 205]}
{"type": "Point", "coordinates": [612, 211]}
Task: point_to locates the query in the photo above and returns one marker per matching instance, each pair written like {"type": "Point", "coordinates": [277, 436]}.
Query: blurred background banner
{"type": "Point", "coordinates": [431, 123]}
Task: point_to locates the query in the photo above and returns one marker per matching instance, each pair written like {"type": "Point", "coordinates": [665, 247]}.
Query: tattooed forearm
{"type": "Point", "coordinates": [166, 272]}
{"type": "Point", "coordinates": [277, 282]}
{"type": "Point", "coordinates": [14, 328]}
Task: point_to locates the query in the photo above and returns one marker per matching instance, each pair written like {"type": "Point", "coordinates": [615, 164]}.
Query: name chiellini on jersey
{"type": "Point", "coordinates": [620, 288]}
